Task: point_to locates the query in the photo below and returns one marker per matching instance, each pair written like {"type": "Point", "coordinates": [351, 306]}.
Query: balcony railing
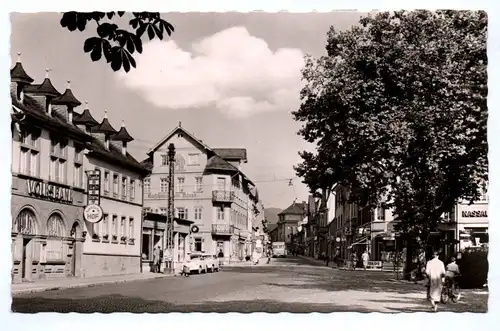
{"type": "Point", "coordinates": [222, 229]}
{"type": "Point", "coordinates": [222, 196]}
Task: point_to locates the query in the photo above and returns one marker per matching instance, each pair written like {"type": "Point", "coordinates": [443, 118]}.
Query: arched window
{"type": "Point", "coordinates": [25, 222]}
{"type": "Point", "coordinates": [55, 226]}
{"type": "Point", "coordinates": [55, 246]}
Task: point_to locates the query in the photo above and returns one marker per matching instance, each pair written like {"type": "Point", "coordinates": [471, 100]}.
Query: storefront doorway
{"type": "Point", "coordinates": [26, 259]}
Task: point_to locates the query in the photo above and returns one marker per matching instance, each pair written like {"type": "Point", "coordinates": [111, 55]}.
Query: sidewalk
{"type": "Point", "coordinates": [69, 282]}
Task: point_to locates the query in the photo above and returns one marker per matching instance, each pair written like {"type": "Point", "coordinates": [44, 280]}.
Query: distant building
{"type": "Point", "coordinates": [210, 190]}
{"type": "Point", "coordinates": [288, 222]}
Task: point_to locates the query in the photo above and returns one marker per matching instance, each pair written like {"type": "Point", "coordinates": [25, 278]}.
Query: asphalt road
{"type": "Point", "coordinates": [286, 285]}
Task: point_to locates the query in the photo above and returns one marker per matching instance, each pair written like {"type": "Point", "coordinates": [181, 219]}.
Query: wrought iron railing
{"type": "Point", "coordinates": [222, 196]}
{"type": "Point", "coordinates": [222, 229]}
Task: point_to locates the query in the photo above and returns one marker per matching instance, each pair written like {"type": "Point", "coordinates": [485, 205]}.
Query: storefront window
{"type": "Point", "coordinates": [55, 226]}
{"type": "Point", "coordinates": [55, 246]}
{"type": "Point", "coordinates": [146, 246]}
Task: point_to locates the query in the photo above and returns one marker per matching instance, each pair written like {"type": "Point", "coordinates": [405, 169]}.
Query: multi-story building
{"type": "Point", "coordinates": [210, 189]}
{"type": "Point", "coordinates": [50, 154]}
{"type": "Point", "coordinates": [288, 222]}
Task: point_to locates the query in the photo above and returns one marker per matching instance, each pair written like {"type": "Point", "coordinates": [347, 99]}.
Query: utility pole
{"type": "Point", "coordinates": [169, 231]}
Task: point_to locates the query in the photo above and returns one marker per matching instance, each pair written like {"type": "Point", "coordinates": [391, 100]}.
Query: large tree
{"type": "Point", "coordinates": [118, 45]}
{"type": "Point", "coordinates": [398, 110]}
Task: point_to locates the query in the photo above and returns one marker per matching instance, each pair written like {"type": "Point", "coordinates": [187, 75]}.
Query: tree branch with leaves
{"type": "Point", "coordinates": [116, 44]}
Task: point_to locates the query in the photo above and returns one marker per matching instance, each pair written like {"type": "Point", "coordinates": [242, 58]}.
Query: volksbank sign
{"type": "Point", "coordinates": [49, 191]}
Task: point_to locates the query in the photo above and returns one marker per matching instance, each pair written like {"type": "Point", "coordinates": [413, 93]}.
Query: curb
{"type": "Point", "coordinates": [63, 287]}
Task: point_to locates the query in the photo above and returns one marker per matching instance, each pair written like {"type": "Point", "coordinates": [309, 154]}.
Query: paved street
{"type": "Point", "coordinates": [291, 285]}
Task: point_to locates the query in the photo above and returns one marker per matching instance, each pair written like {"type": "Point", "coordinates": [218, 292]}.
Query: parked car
{"type": "Point", "coordinates": [212, 262]}
{"type": "Point", "coordinates": [196, 263]}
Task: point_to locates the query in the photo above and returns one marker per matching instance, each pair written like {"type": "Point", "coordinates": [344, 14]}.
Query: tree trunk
{"type": "Point", "coordinates": [409, 257]}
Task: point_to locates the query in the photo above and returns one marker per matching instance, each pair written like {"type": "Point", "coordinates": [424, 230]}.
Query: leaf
{"type": "Point", "coordinates": [68, 20]}
{"type": "Point", "coordinates": [151, 32]}
{"type": "Point", "coordinates": [116, 58]}
{"type": "Point", "coordinates": [121, 13]}
{"type": "Point", "coordinates": [107, 30]}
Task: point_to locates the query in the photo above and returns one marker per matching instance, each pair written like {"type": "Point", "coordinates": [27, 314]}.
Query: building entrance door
{"type": "Point", "coordinates": [26, 259]}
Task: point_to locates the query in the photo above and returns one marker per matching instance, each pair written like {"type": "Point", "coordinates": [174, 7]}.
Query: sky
{"type": "Point", "coordinates": [231, 79]}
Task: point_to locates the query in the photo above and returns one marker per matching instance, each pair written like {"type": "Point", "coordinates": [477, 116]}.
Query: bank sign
{"type": "Point", "coordinates": [49, 191]}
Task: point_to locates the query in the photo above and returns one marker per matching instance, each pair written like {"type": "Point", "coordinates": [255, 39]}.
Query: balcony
{"type": "Point", "coordinates": [223, 196]}
{"type": "Point", "coordinates": [222, 229]}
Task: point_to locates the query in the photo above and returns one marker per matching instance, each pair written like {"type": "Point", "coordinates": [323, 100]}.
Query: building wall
{"type": "Point", "coordinates": [50, 252]}
{"type": "Point", "coordinates": [106, 255]}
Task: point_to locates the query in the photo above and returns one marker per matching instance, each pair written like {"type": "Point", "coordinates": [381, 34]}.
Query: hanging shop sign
{"type": "Point", "coordinates": [195, 229]}
{"type": "Point", "coordinates": [49, 191]}
{"type": "Point", "coordinates": [94, 187]}
{"type": "Point", "coordinates": [93, 213]}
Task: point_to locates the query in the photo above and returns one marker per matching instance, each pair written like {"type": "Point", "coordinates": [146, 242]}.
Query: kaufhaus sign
{"type": "Point", "coordinates": [473, 213]}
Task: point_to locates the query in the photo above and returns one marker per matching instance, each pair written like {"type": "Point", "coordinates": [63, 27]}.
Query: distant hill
{"type": "Point", "coordinates": [272, 215]}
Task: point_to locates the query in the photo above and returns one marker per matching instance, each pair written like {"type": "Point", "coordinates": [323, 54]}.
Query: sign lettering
{"type": "Point", "coordinates": [94, 187]}
{"type": "Point", "coordinates": [93, 213]}
{"type": "Point", "coordinates": [49, 191]}
{"type": "Point", "coordinates": [474, 213]}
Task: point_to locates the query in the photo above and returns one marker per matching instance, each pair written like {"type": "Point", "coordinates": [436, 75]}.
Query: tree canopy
{"type": "Point", "coordinates": [398, 112]}
{"type": "Point", "coordinates": [117, 45]}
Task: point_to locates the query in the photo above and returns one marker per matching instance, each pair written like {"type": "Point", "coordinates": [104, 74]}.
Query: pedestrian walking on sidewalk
{"type": "Point", "coordinates": [435, 272]}
{"type": "Point", "coordinates": [156, 259]}
{"type": "Point", "coordinates": [365, 257]}
{"type": "Point", "coordinates": [354, 261]}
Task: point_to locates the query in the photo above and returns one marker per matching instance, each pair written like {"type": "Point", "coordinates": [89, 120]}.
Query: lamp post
{"type": "Point", "coordinates": [169, 233]}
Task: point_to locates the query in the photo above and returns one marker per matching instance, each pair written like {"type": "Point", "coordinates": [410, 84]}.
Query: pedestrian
{"type": "Point", "coordinates": [156, 257]}
{"type": "Point", "coordinates": [160, 259]}
{"type": "Point", "coordinates": [221, 257]}
{"type": "Point", "coordinates": [354, 261]}
{"type": "Point", "coordinates": [435, 272]}
{"type": "Point", "coordinates": [365, 257]}
{"type": "Point", "coordinates": [327, 259]}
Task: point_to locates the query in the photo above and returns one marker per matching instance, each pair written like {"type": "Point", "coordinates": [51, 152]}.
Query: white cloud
{"type": "Point", "coordinates": [230, 70]}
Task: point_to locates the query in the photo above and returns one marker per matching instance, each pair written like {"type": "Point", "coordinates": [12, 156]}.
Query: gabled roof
{"type": "Point", "coordinates": [296, 208]}
{"type": "Point", "coordinates": [147, 163]}
{"type": "Point", "coordinates": [232, 153]}
{"type": "Point", "coordinates": [217, 163]}
{"type": "Point", "coordinates": [272, 227]}
{"type": "Point", "coordinates": [176, 130]}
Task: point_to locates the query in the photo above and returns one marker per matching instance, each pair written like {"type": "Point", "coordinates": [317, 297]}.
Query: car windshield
{"type": "Point", "coordinates": [195, 257]}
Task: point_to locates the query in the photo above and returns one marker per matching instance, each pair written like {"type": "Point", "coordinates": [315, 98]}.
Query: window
{"type": "Point", "coordinates": [55, 228]}
{"type": "Point", "coordinates": [58, 164]}
{"type": "Point", "coordinates": [147, 185]}
{"type": "Point", "coordinates": [105, 226]}
{"type": "Point", "coordinates": [163, 184]}
{"type": "Point", "coordinates": [194, 159]}
{"type": "Point", "coordinates": [182, 213]}
{"type": "Point", "coordinates": [220, 213]}
{"type": "Point", "coordinates": [114, 225]}
{"type": "Point", "coordinates": [25, 222]}
{"type": "Point", "coordinates": [180, 184]}
{"type": "Point", "coordinates": [106, 182]}
{"type": "Point", "coordinates": [122, 226]}
{"type": "Point", "coordinates": [197, 213]}
{"type": "Point", "coordinates": [163, 211]}
{"type": "Point", "coordinates": [115, 185]}
{"type": "Point", "coordinates": [199, 184]}
{"type": "Point", "coordinates": [131, 227]}
{"type": "Point", "coordinates": [78, 170]}
{"type": "Point", "coordinates": [30, 154]}
{"type": "Point", "coordinates": [381, 214]}
{"type": "Point", "coordinates": [164, 160]}
{"type": "Point", "coordinates": [124, 187]}
{"type": "Point", "coordinates": [132, 190]}
{"type": "Point", "coordinates": [197, 245]}
{"type": "Point", "coordinates": [221, 183]}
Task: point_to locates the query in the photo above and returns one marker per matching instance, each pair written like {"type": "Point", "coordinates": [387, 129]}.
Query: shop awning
{"type": "Point", "coordinates": [363, 241]}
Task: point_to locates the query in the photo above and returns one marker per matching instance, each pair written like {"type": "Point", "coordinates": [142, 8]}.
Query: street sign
{"type": "Point", "coordinates": [195, 229]}
{"type": "Point", "coordinates": [93, 213]}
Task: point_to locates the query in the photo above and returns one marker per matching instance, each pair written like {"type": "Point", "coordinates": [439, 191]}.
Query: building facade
{"type": "Point", "coordinates": [288, 223]}
{"type": "Point", "coordinates": [210, 190]}
{"type": "Point", "coordinates": [50, 155]}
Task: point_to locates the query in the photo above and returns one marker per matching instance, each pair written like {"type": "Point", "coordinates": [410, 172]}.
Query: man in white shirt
{"type": "Point", "coordinates": [435, 271]}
